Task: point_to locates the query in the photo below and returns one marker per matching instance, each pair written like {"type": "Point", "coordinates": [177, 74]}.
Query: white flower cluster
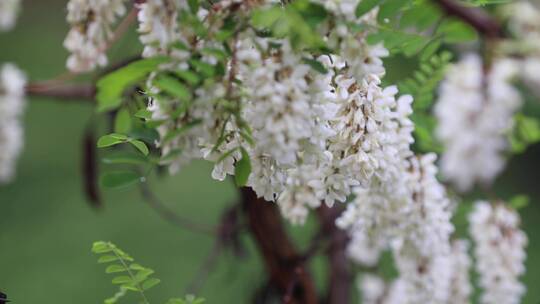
{"type": "Point", "coordinates": [193, 133]}
{"type": "Point", "coordinates": [447, 275]}
{"type": "Point", "coordinates": [474, 104]}
{"type": "Point", "coordinates": [12, 103]}
{"type": "Point", "coordinates": [158, 26]}
{"type": "Point", "coordinates": [524, 22]}
{"type": "Point", "coordinates": [8, 13]}
{"type": "Point", "coordinates": [408, 214]}
{"type": "Point", "coordinates": [315, 135]}
{"type": "Point", "coordinates": [499, 252]}
{"type": "Point", "coordinates": [91, 28]}
{"type": "Point", "coordinates": [460, 282]}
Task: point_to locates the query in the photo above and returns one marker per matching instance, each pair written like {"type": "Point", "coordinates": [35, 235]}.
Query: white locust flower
{"type": "Point", "coordinates": [158, 26]}
{"type": "Point", "coordinates": [460, 283]}
{"type": "Point", "coordinates": [91, 29]}
{"type": "Point", "coordinates": [524, 22]}
{"type": "Point", "coordinates": [9, 10]}
{"type": "Point", "coordinates": [303, 191]}
{"type": "Point", "coordinates": [373, 289]}
{"type": "Point", "coordinates": [422, 251]}
{"type": "Point", "coordinates": [12, 103]}
{"type": "Point", "coordinates": [278, 107]}
{"type": "Point", "coordinates": [499, 252]}
{"type": "Point", "coordinates": [409, 215]}
{"type": "Point", "coordinates": [472, 105]}
{"type": "Point", "coordinates": [191, 135]}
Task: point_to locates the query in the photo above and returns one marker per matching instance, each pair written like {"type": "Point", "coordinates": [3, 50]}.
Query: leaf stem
{"type": "Point", "coordinates": [139, 287]}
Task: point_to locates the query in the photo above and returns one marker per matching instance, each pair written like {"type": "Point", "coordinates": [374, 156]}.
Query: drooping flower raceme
{"type": "Point", "coordinates": [158, 26]}
{"type": "Point", "coordinates": [8, 14]}
{"type": "Point", "coordinates": [91, 24]}
{"type": "Point", "coordinates": [300, 121]}
{"type": "Point", "coordinates": [12, 103]}
{"type": "Point", "coordinates": [475, 105]}
{"type": "Point", "coordinates": [524, 23]}
{"type": "Point", "coordinates": [460, 283]}
{"type": "Point", "coordinates": [447, 276]}
{"type": "Point", "coordinates": [499, 251]}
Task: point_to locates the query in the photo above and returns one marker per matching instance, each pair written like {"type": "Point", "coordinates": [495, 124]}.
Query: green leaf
{"type": "Point", "coordinates": [114, 299]}
{"type": "Point", "coordinates": [390, 8]}
{"type": "Point", "coordinates": [111, 140]}
{"type": "Point", "coordinates": [193, 6]}
{"type": "Point", "coordinates": [101, 247]}
{"type": "Point", "coordinates": [144, 114]}
{"type": "Point", "coordinates": [119, 179]}
{"type": "Point", "coordinates": [125, 158]}
{"type": "Point", "coordinates": [122, 121]}
{"type": "Point", "coordinates": [150, 283]}
{"type": "Point", "coordinates": [141, 146]}
{"type": "Point", "coordinates": [242, 169]}
{"type": "Point", "coordinates": [136, 267]}
{"type": "Point", "coordinates": [173, 87]}
{"type": "Point", "coordinates": [365, 6]}
{"type": "Point", "coordinates": [455, 31]}
{"type": "Point", "coordinates": [519, 202]}
{"type": "Point", "coordinates": [266, 18]}
{"type": "Point", "coordinates": [115, 268]}
{"type": "Point", "coordinates": [219, 54]}
{"type": "Point", "coordinates": [107, 259]}
{"type": "Point", "coordinates": [206, 69]}
{"type": "Point", "coordinates": [316, 65]}
{"type": "Point", "coordinates": [188, 76]}
{"type": "Point", "coordinates": [122, 280]}
{"type": "Point", "coordinates": [143, 274]}
{"type": "Point", "coordinates": [111, 87]}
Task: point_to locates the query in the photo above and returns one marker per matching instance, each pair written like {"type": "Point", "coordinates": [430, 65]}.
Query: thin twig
{"type": "Point", "coordinates": [205, 268]}
{"type": "Point", "coordinates": [122, 28]}
{"type": "Point", "coordinates": [172, 217]}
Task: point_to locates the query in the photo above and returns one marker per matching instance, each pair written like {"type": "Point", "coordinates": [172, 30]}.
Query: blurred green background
{"type": "Point", "coordinates": [47, 227]}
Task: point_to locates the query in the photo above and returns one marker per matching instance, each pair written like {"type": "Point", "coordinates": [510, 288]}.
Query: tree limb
{"type": "Point", "coordinates": [475, 17]}
{"type": "Point", "coordinates": [288, 272]}
{"type": "Point", "coordinates": [340, 280]}
{"type": "Point", "coordinates": [83, 92]}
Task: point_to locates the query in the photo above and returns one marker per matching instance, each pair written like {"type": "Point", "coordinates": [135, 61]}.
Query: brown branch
{"type": "Point", "coordinates": [340, 281]}
{"type": "Point", "coordinates": [83, 92]}
{"type": "Point", "coordinates": [288, 272]}
{"type": "Point", "coordinates": [89, 167]}
{"type": "Point", "coordinates": [475, 17]}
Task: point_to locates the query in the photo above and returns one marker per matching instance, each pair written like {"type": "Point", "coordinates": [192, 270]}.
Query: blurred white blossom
{"type": "Point", "coordinates": [473, 105]}
{"type": "Point", "coordinates": [91, 24]}
{"type": "Point", "coordinates": [499, 252]}
{"type": "Point", "coordinates": [9, 10]}
{"type": "Point", "coordinates": [12, 103]}
{"type": "Point", "coordinates": [158, 26]}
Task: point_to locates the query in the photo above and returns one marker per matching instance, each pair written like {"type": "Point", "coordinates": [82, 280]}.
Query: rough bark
{"type": "Point", "coordinates": [287, 269]}
{"type": "Point", "coordinates": [340, 277]}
